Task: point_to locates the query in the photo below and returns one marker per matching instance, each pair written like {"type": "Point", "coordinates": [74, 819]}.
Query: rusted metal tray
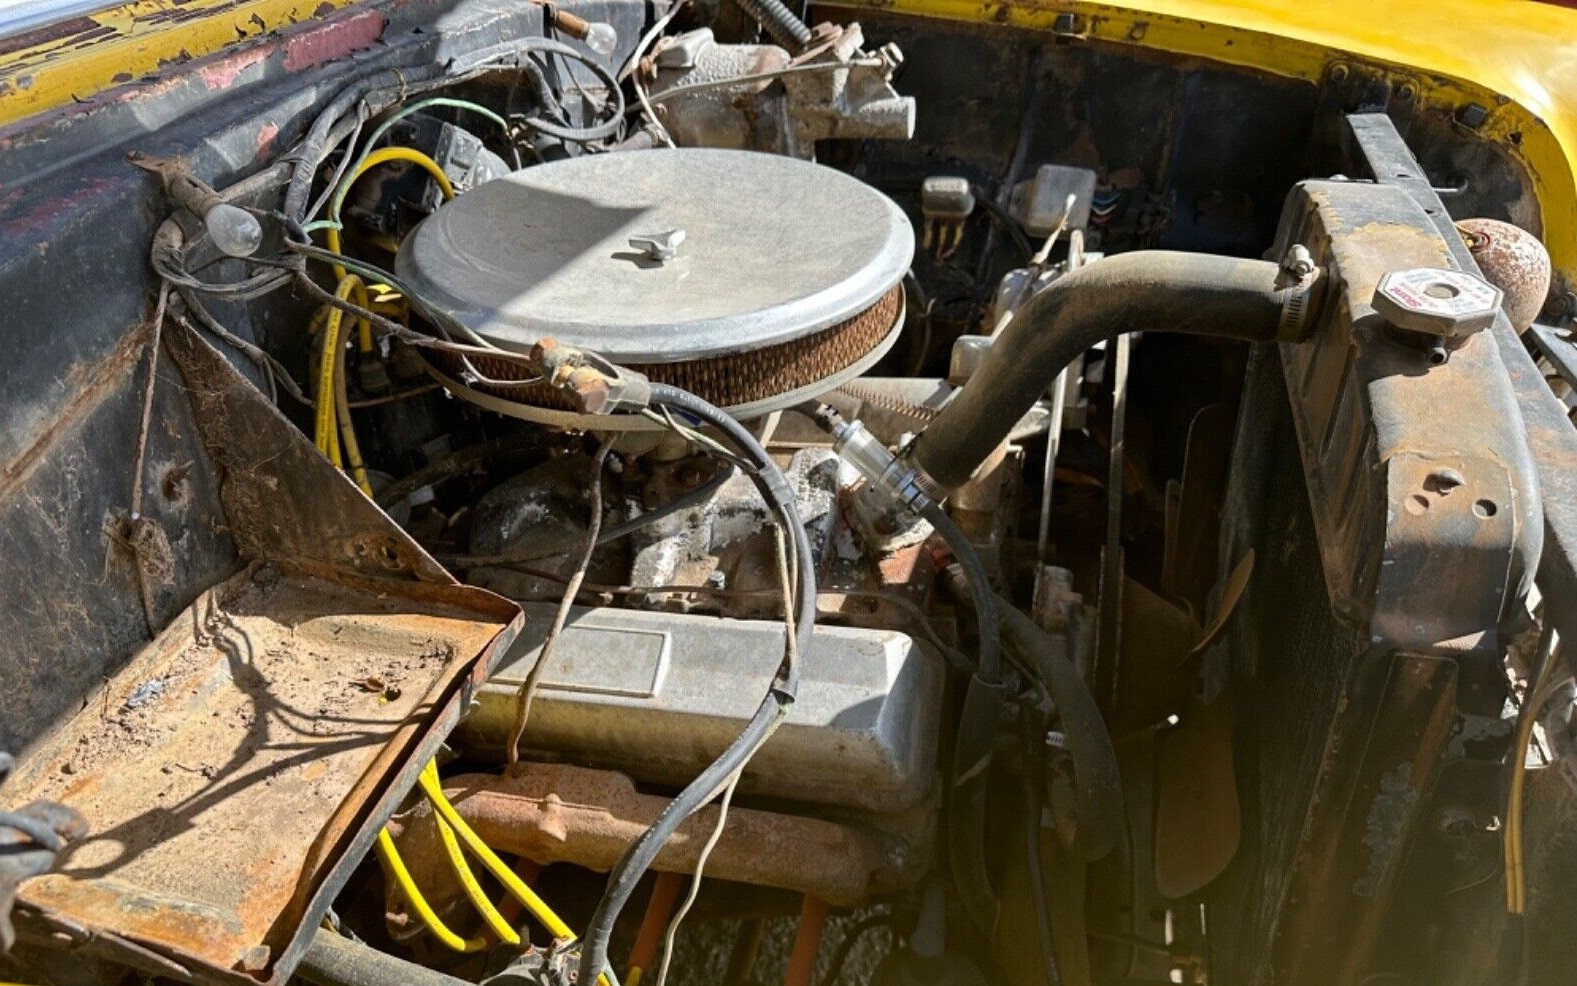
{"type": "Point", "coordinates": [237, 768]}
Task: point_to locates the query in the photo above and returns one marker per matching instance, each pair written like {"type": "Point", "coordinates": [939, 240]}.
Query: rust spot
{"type": "Point", "coordinates": [265, 137]}
{"type": "Point", "coordinates": [88, 386]}
{"type": "Point", "coordinates": [333, 40]}
{"type": "Point", "coordinates": [50, 208]}
{"type": "Point", "coordinates": [63, 32]}
{"type": "Point", "coordinates": [222, 74]}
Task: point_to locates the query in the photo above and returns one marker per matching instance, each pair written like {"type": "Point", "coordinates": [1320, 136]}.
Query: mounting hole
{"type": "Point", "coordinates": [1440, 289]}
{"type": "Point", "coordinates": [1484, 508]}
{"type": "Point", "coordinates": [1417, 503]}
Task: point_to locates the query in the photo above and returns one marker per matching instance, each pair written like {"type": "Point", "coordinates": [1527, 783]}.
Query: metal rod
{"type": "Point", "coordinates": [1059, 398]}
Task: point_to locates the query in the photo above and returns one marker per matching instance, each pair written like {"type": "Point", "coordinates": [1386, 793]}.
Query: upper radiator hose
{"type": "Point", "coordinates": [1143, 291]}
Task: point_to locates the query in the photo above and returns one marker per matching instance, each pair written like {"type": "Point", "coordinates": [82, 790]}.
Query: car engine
{"type": "Point", "coordinates": [651, 493]}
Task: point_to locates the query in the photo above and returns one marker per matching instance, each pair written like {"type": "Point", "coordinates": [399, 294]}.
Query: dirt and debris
{"type": "Point", "coordinates": [219, 766]}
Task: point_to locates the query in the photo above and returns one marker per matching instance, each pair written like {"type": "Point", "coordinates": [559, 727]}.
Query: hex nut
{"type": "Point", "coordinates": [1451, 304]}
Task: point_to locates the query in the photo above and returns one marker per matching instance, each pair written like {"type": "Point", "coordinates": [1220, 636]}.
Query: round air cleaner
{"type": "Point", "coordinates": [752, 280]}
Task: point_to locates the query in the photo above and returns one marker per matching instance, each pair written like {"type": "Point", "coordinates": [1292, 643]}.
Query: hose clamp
{"type": "Point", "coordinates": [1300, 282]}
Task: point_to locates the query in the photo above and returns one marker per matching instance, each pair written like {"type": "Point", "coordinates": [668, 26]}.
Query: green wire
{"type": "Point", "coordinates": [338, 201]}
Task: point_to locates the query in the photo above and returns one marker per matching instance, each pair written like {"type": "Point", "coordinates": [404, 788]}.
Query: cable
{"type": "Point", "coordinates": [975, 743]}
{"type": "Point", "coordinates": [787, 584]}
{"type": "Point", "coordinates": [473, 889]}
{"type": "Point", "coordinates": [528, 688]}
{"type": "Point", "coordinates": [395, 867]}
{"type": "Point", "coordinates": [549, 919]}
{"type": "Point", "coordinates": [633, 62]}
{"type": "Point", "coordinates": [340, 186]}
{"type": "Point", "coordinates": [147, 401]}
{"type": "Point", "coordinates": [1532, 700]}
{"type": "Point", "coordinates": [271, 369]}
{"type": "Point", "coordinates": [1033, 798]}
{"type": "Point", "coordinates": [350, 286]}
{"type": "Point", "coordinates": [632, 68]}
{"type": "Point", "coordinates": [695, 880]}
{"type": "Point", "coordinates": [1010, 225]}
{"type": "Point", "coordinates": [347, 429]}
{"type": "Point", "coordinates": [371, 95]}
{"type": "Point", "coordinates": [383, 155]}
{"type": "Point", "coordinates": [774, 488]}
{"type": "Point", "coordinates": [441, 320]}
{"type": "Point", "coordinates": [500, 870]}
{"type": "Point", "coordinates": [588, 134]}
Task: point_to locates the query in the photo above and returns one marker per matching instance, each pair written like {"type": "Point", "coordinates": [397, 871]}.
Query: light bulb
{"type": "Point", "coordinates": [601, 38]}
{"type": "Point", "coordinates": [235, 231]}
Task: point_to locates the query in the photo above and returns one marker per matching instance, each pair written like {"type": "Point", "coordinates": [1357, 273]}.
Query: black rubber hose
{"type": "Point", "coordinates": [1143, 291]}
{"type": "Point", "coordinates": [977, 732]}
{"type": "Point", "coordinates": [333, 960]}
{"type": "Point", "coordinates": [780, 22]}
{"type": "Point", "coordinates": [637, 859]}
{"type": "Point", "coordinates": [1034, 797]}
{"type": "Point", "coordinates": [1097, 784]}
{"type": "Point", "coordinates": [975, 583]}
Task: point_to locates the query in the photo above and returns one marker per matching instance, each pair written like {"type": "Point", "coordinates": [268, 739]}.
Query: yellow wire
{"type": "Point", "coordinates": [383, 156]}
{"type": "Point", "coordinates": [450, 823]}
{"type": "Point", "coordinates": [473, 889]}
{"type": "Point", "coordinates": [1533, 699]}
{"type": "Point", "coordinates": [350, 287]}
{"type": "Point", "coordinates": [633, 977]}
{"type": "Point", "coordinates": [536, 905]}
{"type": "Point", "coordinates": [332, 412]}
{"type": "Point", "coordinates": [402, 876]}
{"type": "Point", "coordinates": [358, 470]}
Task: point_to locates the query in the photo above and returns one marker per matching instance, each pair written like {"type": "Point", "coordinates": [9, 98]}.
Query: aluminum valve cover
{"type": "Point", "coordinates": [659, 695]}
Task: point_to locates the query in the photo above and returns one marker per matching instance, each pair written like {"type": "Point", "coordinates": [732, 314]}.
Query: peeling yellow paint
{"type": "Point", "coordinates": [78, 59]}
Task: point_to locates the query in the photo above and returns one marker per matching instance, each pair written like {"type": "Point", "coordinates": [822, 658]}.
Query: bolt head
{"type": "Point", "coordinates": [1451, 304]}
{"type": "Point", "coordinates": [1472, 116]}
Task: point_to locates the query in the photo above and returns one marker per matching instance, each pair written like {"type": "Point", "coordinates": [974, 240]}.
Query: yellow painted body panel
{"type": "Point", "coordinates": [96, 53]}
{"type": "Point", "coordinates": [1516, 58]}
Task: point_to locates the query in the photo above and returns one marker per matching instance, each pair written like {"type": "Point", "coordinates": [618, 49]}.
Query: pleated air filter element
{"type": "Point", "coordinates": [786, 283]}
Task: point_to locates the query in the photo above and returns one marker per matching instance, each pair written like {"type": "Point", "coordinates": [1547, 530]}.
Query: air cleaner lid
{"type": "Point", "coordinates": [774, 248]}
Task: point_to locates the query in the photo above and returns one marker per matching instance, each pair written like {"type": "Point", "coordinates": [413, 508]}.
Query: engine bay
{"type": "Point", "coordinates": [714, 493]}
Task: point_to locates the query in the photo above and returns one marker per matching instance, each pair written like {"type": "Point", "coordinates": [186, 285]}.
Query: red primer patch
{"type": "Point", "coordinates": [334, 40]}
